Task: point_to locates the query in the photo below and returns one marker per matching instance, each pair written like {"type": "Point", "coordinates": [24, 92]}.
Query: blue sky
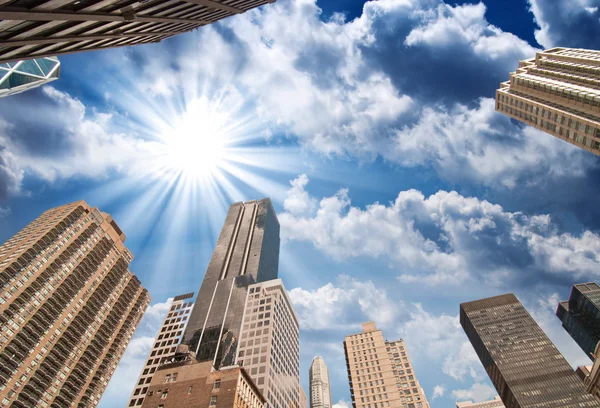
{"type": "Point", "coordinates": [400, 192]}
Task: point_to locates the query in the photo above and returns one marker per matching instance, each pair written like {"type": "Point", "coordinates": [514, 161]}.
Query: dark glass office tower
{"type": "Point", "coordinates": [247, 252]}
{"type": "Point", "coordinates": [523, 364]}
{"type": "Point", "coordinates": [580, 316]}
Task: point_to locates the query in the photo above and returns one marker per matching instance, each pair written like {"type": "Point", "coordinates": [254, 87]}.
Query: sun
{"type": "Point", "coordinates": [197, 143]}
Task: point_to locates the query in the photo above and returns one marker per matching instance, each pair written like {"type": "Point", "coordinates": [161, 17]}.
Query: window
{"type": "Point", "coordinates": [190, 389]}
{"type": "Point", "coordinates": [164, 395]}
{"type": "Point", "coordinates": [213, 401]}
{"type": "Point", "coordinates": [217, 385]}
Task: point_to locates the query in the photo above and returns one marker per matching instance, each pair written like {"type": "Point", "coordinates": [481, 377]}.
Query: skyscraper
{"type": "Point", "coordinates": [523, 364]}
{"type": "Point", "coordinates": [165, 344]}
{"type": "Point", "coordinates": [247, 252]}
{"type": "Point", "coordinates": [41, 28]}
{"type": "Point", "coordinates": [320, 395]}
{"type": "Point", "coordinates": [270, 344]}
{"type": "Point", "coordinates": [495, 403]}
{"type": "Point", "coordinates": [558, 92]}
{"type": "Point", "coordinates": [380, 372]}
{"type": "Point", "coordinates": [68, 305]}
{"type": "Point", "coordinates": [19, 76]}
{"type": "Point", "coordinates": [580, 316]}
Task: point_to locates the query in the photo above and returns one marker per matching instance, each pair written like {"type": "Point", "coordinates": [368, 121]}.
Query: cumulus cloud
{"type": "Point", "coordinates": [477, 393]}
{"type": "Point", "coordinates": [445, 238]}
{"type": "Point", "coordinates": [339, 305]}
{"type": "Point", "coordinates": [566, 23]}
{"type": "Point", "coordinates": [342, 404]}
{"type": "Point", "coordinates": [63, 139]}
{"type": "Point", "coordinates": [438, 391]}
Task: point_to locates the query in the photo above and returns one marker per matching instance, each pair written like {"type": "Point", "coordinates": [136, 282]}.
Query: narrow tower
{"type": "Point", "coordinates": [247, 252]}
{"type": "Point", "coordinates": [320, 396]}
{"type": "Point", "coordinates": [68, 307]}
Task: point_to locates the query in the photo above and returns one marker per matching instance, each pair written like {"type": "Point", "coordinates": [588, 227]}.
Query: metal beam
{"type": "Point", "coordinates": [216, 5]}
{"type": "Point", "coordinates": [53, 16]}
{"type": "Point", "coordinates": [74, 38]}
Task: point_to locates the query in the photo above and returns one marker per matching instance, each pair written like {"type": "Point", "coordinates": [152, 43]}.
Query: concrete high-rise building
{"type": "Point", "coordinates": [247, 252]}
{"type": "Point", "coordinates": [68, 307]}
{"type": "Point", "coordinates": [495, 403]}
{"type": "Point", "coordinates": [380, 372]}
{"type": "Point", "coordinates": [320, 395]}
{"type": "Point", "coordinates": [19, 76]}
{"type": "Point", "coordinates": [40, 28]}
{"type": "Point", "coordinates": [270, 344]}
{"type": "Point", "coordinates": [558, 92]}
{"type": "Point", "coordinates": [580, 316]}
{"type": "Point", "coordinates": [521, 361]}
{"type": "Point", "coordinates": [185, 383]}
{"type": "Point", "coordinates": [165, 344]}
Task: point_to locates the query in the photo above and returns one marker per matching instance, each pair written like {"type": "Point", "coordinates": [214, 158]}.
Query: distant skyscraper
{"type": "Point", "coordinates": [523, 364]}
{"type": "Point", "coordinates": [165, 344]}
{"type": "Point", "coordinates": [558, 92]}
{"type": "Point", "coordinates": [320, 395]}
{"type": "Point", "coordinates": [270, 344]}
{"type": "Point", "coordinates": [40, 28]}
{"type": "Point", "coordinates": [380, 372]}
{"type": "Point", "coordinates": [580, 316]}
{"type": "Point", "coordinates": [495, 403]}
{"type": "Point", "coordinates": [247, 252]}
{"type": "Point", "coordinates": [68, 307]}
{"type": "Point", "coordinates": [19, 76]}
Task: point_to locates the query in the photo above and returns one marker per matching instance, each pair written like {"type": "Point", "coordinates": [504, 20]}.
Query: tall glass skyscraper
{"type": "Point", "coordinates": [580, 316]}
{"type": "Point", "coordinates": [247, 252]}
{"type": "Point", "coordinates": [19, 76]}
{"type": "Point", "coordinates": [523, 364]}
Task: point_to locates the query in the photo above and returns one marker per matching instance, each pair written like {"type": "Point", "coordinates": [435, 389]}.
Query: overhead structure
{"type": "Point", "coordinates": [40, 28]}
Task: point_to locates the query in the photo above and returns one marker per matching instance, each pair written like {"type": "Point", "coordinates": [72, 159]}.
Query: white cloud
{"type": "Point", "coordinates": [297, 200]}
{"type": "Point", "coordinates": [339, 306]}
{"type": "Point", "coordinates": [5, 211]}
{"type": "Point", "coordinates": [444, 238]}
{"type": "Point", "coordinates": [477, 393]}
{"type": "Point", "coordinates": [438, 391]}
{"type": "Point", "coordinates": [342, 404]}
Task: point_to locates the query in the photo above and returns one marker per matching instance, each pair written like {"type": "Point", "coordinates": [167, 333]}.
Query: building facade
{"type": "Point", "coordinates": [19, 76]}
{"type": "Point", "coordinates": [380, 372]}
{"type": "Point", "coordinates": [590, 375]}
{"type": "Point", "coordinates": [320, 394]}
{"type": "Point", "coordinates": [558, 92]}
{"type": "Point", "coordinates": [580, 316]}
{"type": "Point", "coordinates": [165, 345]}
{"type": "Point", "coordinates": [495, 403]}
{"type": "Point", "coordinates": [41, 28]}
{"type": "Point", "coordinates": [189, 384]}
{"type": "Point", "coordinates": [270, 344]}
{"type": "Point", "coordinates": [69, 306]}
{"type": "Point", "coordinates": [247, 252]}
{"type": "Point", "coordinates": [521, 361]}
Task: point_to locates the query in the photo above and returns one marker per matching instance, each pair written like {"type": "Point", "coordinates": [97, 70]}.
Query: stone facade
{"type": "Point", "coordinates": [191, 384]}
{"type": "Point", "coordinates": [69, 306]}
{"type": "Point", "coordinates": [380, 372]}
{"type": "Point", "coordinates": [165, 345]}
{"type": "Point", "coordinates": [558, 92]}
